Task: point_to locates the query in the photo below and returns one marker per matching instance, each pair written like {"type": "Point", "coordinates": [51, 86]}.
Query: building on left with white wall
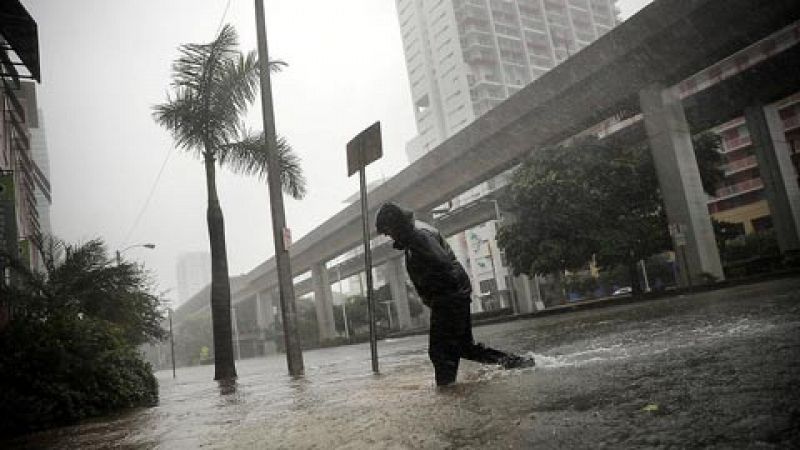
{"type": "Point", "coordinates": [21, 178]}
{"type": "Point", "coordinates": [41, 163]}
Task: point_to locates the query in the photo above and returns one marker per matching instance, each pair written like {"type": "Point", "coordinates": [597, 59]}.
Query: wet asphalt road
{"type": "Point", "coordinates": [711, 370]}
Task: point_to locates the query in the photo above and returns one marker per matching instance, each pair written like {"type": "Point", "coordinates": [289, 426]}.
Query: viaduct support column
{"type": "Point", "coordinates": [679, 177]}
{"type": "Point", "coordinates": [777, 173]}
{"type": "Point", "coordinates": [264, 317]}
{"type": "Point", "coordinates": [396, 276]}
{"type": "Point", "coordinates": [528, 294]}
{"type": "Point", "coordinates": [524, 297]}
{"type": "Point", "coordinates": [265, 320]}
{"type": "Point", "coordinates": [527, 299]}
{"type": "Point", "coordinates": [323, 301]}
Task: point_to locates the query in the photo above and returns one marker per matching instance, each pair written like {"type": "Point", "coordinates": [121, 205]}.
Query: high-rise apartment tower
{"type": "Point", "coordinates": [464, 57]}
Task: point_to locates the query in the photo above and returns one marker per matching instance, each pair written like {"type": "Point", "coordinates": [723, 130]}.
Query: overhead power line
{"type": "Point", "coordinates": [149, 197]}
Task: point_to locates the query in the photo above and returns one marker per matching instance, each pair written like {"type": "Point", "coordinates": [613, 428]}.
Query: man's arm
{"type": "Point", "coordinates": [424, 245]}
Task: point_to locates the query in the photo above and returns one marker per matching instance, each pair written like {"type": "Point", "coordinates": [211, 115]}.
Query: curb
{"type": "Point", "coordinates": [621, 300]}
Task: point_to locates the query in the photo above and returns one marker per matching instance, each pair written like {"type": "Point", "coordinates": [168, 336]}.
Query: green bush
{"type": "Point", "coordinates": [69, 349]}
{"type": "Point", "coordinates": [756, 245]}
{"type": "Point", "coordinates": [59, 371]}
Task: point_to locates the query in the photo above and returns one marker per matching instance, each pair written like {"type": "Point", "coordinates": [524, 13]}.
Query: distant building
{"type": "Point", "coordinates": [465, 57]}
{"type": "Point", "coordinates": [41, 160]}
{"type": "Point", "coordinates": [194, 273]}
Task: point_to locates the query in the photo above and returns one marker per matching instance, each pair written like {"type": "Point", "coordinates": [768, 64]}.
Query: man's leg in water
{"type": "Point", "coordinates": [480, 353]}
{"type": "Point", "coordinates": [446, 337]}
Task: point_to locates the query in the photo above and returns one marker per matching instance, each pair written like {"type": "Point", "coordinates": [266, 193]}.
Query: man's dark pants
{"type": "Point", "coordinates": [451, 339]}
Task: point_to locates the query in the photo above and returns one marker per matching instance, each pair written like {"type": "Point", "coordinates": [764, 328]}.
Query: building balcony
{"type": "Point", "coordinates": [791, 122]}
{"type": "Point", "coordinates": [473, 15]}
{"type": "Point", "coordinates": [740, 165]}
{"type": "Point", "coordinates": [486, 80]}
{"type": "Point", "coordinates": [737, 189]}
{"type": "Point", "coordinates": [469, 44]}
{"type": "Point", "coordinates": [530, 11]}
{"type": "Point", "coordinates": [475, 28]}
{"type": "Point", "coordinates": [479, 56]}
{"type": "Point", "coordinates": [478, 96]}
{"type": "Point", "coordinates": [479, 4]}
{"type": "Point", "coordinates": [731, 145]}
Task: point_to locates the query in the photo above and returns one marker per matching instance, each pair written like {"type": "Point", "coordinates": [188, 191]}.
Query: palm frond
{"type": "Point", "coordinates": [197, 63]}
{"type": "Point", "coordinates": [235, 89]}
{"type": "Point", "coordinates": [249, 157]}
{"type": "Point", "coordinates": [276, 65]}
{"type": "Point", "coordinates": [182, 116]}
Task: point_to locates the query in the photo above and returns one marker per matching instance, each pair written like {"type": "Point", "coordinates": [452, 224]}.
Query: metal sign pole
{"type": "Point", "coordinates": [373, 338]}
{"type": "Point", "coordinates": [363, 149]}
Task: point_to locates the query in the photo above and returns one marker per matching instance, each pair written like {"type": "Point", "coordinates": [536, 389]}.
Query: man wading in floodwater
{"type": "Point", "coordinates": [444, 287]}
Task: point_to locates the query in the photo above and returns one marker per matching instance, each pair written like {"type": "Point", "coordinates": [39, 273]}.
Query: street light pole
{"type": "Point", "coordinates": [344, 300]}
{"type": "Point", "coordinates": [644, 274]}
{"type": "Point", "coordinates": [498, 219]}
{"type": "Point", "coordinates": [236, 332]}
{"type": "Point", "coordinates": [120, 252]}
{"type": "Point", "coordinates": [171, 342]}
{"type": "Point", "coordinates": [389, 312]}
{"type": "Point", "coordinates": [494, 272]}
{"type": "Point", "coordinates": [294, 356]}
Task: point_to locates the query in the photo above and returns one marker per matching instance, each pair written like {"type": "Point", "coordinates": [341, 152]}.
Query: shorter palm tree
{"type": "Point", "coordinates": [212, 86]}
{"type": "Point", "coordinates": [82, 281]}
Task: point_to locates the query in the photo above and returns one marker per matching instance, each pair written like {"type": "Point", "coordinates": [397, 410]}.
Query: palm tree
{"type": "Point", "coordinates": [212, 86]}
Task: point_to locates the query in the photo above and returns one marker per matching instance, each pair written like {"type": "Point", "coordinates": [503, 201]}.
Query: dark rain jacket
{"type": "Point", "coordinates": [433, 268]}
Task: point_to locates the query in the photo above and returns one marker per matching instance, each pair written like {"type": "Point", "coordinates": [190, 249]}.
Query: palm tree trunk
{"type": "Point", "coordinates": [224, 367]}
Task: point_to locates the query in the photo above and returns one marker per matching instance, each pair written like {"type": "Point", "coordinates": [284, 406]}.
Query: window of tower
{"type": "Point", "coordinates": [583, 4]}
{"type": "Point", "coordinates": [422, 104]}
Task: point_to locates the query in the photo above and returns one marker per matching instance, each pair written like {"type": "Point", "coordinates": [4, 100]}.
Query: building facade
{"type": "Point", "coordinates": [465, 57]}
{"type": "Point", "coordinates": [21, 179]}
{"type": "Point", "coordinates": [193, 273]}
{"type": "Point", "coordinates": [41, 160]}
{"type": "Point", "coordinates": [741, 200]}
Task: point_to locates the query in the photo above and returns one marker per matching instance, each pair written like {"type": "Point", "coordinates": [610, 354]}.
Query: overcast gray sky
{"type": "Point", "coordinates": [105, 63]}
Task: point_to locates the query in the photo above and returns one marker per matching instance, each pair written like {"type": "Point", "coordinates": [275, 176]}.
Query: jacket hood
{"type": "Point", "coordinates": [391, 215]}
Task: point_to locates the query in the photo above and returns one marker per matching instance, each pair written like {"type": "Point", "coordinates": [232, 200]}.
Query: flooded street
{"type": "Point", "coordinates": [717, 369]}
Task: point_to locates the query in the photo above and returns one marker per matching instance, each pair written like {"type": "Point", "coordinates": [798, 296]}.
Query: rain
{"type": "Point", "coordinates": [400, 224]}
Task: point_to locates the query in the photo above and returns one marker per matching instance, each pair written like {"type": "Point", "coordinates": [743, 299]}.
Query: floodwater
{"type": "Point", "coordinates": [717, 369]}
